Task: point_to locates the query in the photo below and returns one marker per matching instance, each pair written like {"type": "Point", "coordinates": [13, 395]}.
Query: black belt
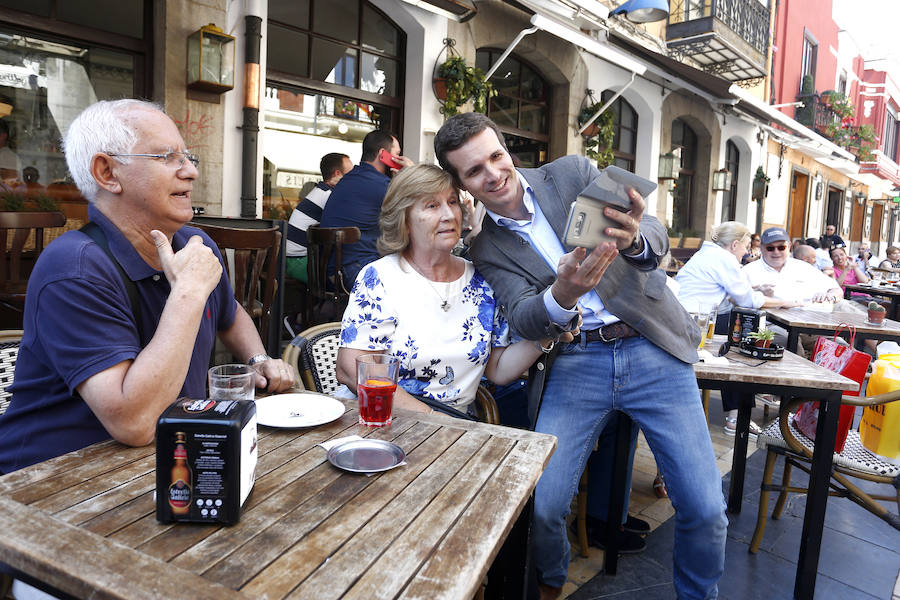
{"type": "Point", "coordinates": [607, 333]}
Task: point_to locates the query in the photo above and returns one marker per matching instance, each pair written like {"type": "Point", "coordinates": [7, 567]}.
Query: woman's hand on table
{"type": "Point", "coordinates": [274, 375]}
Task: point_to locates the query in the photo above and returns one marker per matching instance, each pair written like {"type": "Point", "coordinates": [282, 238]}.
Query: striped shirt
{"type": "Point", "coordinates": [308, 212]}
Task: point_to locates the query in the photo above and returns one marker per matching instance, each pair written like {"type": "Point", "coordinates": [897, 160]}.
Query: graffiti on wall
{"type": "Point", "coordinates": [194, 128]}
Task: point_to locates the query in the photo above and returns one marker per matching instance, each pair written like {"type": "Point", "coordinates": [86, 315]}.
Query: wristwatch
{"type": "Point", "coordinates": [255, 360]}
{"type": "Point", "coordinates": [635, 246]}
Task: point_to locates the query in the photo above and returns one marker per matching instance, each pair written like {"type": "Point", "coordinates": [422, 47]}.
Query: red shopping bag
{"type": "Point", "coordinates": [852, 364]}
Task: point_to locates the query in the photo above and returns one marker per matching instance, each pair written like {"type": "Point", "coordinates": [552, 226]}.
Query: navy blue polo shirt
{"type": "Point", "coordinates": [356, 202]}
{"type": "Point", "coordinates": [78, 322]}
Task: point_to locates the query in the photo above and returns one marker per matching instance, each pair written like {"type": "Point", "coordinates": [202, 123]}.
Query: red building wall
{"type": "Point", "coordinates": [793, 18]}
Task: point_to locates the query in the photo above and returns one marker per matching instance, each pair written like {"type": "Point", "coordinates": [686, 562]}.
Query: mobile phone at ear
{"type": "Point", "coordinates": [388, 160]}
{"type": "Point", "coordinates": [587, 224]}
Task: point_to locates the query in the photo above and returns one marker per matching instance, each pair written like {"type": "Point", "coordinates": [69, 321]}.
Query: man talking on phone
{"type": "Point", "coordinates": [357, 197]}
{"type": "Point", "coordinates": [633, 354]}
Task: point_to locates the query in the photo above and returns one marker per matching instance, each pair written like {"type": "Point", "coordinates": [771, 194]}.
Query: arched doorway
{"type": "Point", "coordinates": [334, 73]}
{"type": "Point", "coordinates": [684, 142]}
{"type": "Point", "coordinates": [625, 121]}
{"type": "Point", "coordinates": [729, 197]}
{"type": "Point", "coordinates": [521, 107]}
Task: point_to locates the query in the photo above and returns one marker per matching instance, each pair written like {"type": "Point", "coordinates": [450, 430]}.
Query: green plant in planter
{"type": "Point", "coordinates": [876, 312]}
{"type": "Point", "coordinates": [760, 188]}
{"type": "Point", "coordinates": [599, 136]}
{"type": "Point", "coordinates": [463, 82]}
{"type": "Point", "coordinates": [762, 337]}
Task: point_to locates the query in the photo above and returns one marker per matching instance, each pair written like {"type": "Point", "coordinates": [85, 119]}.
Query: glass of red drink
{"type": "Point", "coordinates": [376, 381]}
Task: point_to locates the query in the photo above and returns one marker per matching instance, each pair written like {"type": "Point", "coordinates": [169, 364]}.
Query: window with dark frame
{"type": "Point", "coordinates": [684, 138]}
{"type": "Point", "coordinates": [842, 83]}
{"type": "Point", "coordinates": [891, 133]}
{"type": "Point", "coordinates": [808, 58]}
{"type": "Point", "coordinates": [625, 121]}
{"type": "Point", "coordinates": [729, 198]}
{"type": "Point", "coordinates": [521, 108]}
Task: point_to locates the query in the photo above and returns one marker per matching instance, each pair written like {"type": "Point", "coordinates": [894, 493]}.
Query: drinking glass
{"type": "Point", "coordinates": [232, 382]}
{"type": "Point", "coordinates": [702, 320]}
{"type": "Point", "coordinates": [376, 382]}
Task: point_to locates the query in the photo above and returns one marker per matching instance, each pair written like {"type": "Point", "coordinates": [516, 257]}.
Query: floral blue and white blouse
{"type": "Point", "coordinates": [442, 354]}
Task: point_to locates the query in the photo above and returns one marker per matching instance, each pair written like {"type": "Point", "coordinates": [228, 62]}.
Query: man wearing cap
{"type": "Point", "coordinates": [792, 279]}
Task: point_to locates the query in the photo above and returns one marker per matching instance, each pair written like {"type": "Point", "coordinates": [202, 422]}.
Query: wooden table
{"type": "Point", "coordinates": [889, 291]}
{"type": "Point", "coordinates": [743, 378]}
{"type": "Point", "coordinates": [85, 522]}
{"type": "Point", "coordinates": [800, 320]}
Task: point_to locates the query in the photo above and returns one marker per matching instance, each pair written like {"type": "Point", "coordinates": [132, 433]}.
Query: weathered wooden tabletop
{"type": "Point", "coordinates": [85, 522]}
{"type": "Point", "coordinates": [790, 371]}
{"type": "Point", "coordinates": [829, 321]}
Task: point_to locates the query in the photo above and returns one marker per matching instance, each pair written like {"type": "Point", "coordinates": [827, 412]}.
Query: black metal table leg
{"type": "Point", "coordinates": [739, 457]}
{"type": "Point", "coordinates": [617, 493]}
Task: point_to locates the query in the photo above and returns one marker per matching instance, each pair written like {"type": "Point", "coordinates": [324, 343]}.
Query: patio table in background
{"type": "Point", "coordinates": [85, 522]}
{"type": "Point", "coordinates": [744, 377]}
{"type": "Point", "coordinates": [889, 291]}
{"type": "Point", "coordinates": [799, 320]}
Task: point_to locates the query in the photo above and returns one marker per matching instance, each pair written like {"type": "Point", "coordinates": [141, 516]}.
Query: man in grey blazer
{"type": "Point", "coordinates": [633, 354]}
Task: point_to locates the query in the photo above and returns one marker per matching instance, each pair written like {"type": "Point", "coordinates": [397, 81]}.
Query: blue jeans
{"type": "Point", "coordinates": [660, 394]}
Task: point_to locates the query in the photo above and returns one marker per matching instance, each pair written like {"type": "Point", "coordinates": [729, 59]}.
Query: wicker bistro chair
{"type": "Point", "coordinates": [314, 351]}
{"type": "Point", "coordinates": [782, 438]}
{"type": "Point", "coordinates": [9, 352]}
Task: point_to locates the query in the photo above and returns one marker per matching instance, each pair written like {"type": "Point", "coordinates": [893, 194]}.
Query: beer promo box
{"type": "Point", "coordinates": [206, 456]}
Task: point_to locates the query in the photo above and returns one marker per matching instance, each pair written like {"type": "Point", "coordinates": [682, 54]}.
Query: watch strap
{"type": "Point", "coordinates": [255, 360]}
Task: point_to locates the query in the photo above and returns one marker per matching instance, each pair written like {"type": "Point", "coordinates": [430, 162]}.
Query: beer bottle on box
{"type": "Point", "coordinates": [180, 488]}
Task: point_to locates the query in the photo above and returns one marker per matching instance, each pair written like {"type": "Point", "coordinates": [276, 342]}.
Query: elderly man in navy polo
{"type": "Point", "coordinates": [93, 364]}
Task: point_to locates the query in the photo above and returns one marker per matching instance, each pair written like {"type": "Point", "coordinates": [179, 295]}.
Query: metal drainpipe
{"type": "Point", "coordinates": [250, 126]}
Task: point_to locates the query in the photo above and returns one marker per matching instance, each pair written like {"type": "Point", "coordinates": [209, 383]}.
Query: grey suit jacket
{"type": "Point", "coordinates": [634, 291]}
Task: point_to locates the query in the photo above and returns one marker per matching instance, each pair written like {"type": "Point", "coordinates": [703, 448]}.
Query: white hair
{"type": "Point", "coordinates": [101, 127]}
{"type": "Point", "coordinates": [729, 232]}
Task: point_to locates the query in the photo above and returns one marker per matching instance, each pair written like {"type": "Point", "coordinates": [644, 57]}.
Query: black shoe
{"type": "Point", "coordinates": [632, 524]}
{"type": "Point", "coordinates": [629, 542]}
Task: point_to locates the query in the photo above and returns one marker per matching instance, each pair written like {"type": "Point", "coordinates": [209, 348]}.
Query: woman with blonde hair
{"type": "Point", "coordinates": [427, 307]}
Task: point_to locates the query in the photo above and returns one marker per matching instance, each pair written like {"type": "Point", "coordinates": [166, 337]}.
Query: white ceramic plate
{"type": "Point", "coordinates": [302, 409]}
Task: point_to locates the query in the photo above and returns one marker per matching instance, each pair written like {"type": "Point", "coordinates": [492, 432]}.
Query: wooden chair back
{"type": "Point", "coordinates": [9, 352]}
{"type": "Point", "coordinates": [322, 243]}
{"type": "Point", "coordinates": [15, 230]}
{"type": "Point", "coordinates": [252, 269]}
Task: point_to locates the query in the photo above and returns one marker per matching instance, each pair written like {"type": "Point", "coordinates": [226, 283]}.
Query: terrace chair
{"type": "Point", "coordinates": [254, 272]}
{"type": "Point", "coordinates": [16, 256]}
{"type": "Point", "coordinates": [323, 243]}
{"type": "Point", "coordinates": [317, 348]}
{"type": "Point", "coordinates": [9, 351]}
{"type": "Point", "coordinates": [782, 438]}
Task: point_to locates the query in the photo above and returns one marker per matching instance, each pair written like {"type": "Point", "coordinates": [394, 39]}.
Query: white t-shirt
{"type": "Point", "coordinates": [442, 354]}
{"type": "Point", "coordinates": [711, 275]}
{"type": "Point", "coordinates": [797, 281]}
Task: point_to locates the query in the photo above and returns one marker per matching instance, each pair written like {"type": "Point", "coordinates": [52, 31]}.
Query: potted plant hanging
{"type": "Point", "coordinates": [760, 185]}
{"type": "Point", "coordinates": [456, 83]}
{"type": "Point", "coordinates": [599, 135]}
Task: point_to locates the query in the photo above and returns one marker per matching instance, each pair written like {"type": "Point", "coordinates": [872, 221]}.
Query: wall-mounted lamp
{"type": "Point", "coordinates": [210, 60]}
{"type": "Point", "coordinates": [668, 166]}
{"type": "Point", "coordinates": [643, 11]}
{"type": "Point", "coordinates": [860, 197]}
{"type": "Point", "coordinates": [820, 189]}
{"type": "Point", "coordinates": [722, 180]}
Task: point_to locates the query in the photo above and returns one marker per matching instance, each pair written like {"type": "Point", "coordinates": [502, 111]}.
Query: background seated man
{"type": "Point", "coordinates": [308, 212]}
{"type": "Point", "coordinates": [89, 367]}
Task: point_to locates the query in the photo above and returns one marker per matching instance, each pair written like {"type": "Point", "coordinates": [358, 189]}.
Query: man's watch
{"type": "Point", "coordinates": [635, 246]}
{"type": "Point", "coordinates": [255, 360]}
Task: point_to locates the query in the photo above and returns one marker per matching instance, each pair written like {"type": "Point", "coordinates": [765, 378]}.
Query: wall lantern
{"type": "Point", "coordinates": [668, 166]}
{"type": "Point", "coordinates": [210, 60]}
{"type": "Point", "coordinates": [722, 180]}
{"type": "Point", "coordinates": [820, 188]}
{"type": "Point", "coordinates": [860, 197]}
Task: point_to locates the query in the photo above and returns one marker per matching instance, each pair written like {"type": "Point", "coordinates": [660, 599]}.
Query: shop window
{"type": "Point", "coordinates": [521, 107]}
{"type": "Point", "coordinates": [124, 17]}
{"type": "Point", "coordinates": [44, 84]}
{"type": "Point", "coordinates": [625, 121]}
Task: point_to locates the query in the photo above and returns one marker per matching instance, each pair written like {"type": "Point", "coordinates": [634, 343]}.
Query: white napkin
{"type": "Point", "coordinates": [329, 444]}
{"type": "Point", "coordinates": [707, 357]}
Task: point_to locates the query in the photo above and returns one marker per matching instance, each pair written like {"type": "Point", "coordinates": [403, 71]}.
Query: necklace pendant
{"type": "Point", "coordinates": [445, 305]}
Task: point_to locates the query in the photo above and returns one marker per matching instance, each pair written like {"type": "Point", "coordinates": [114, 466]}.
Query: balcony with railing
{"type": "Point", "coordinates": [729, 38]}
{"type": "Point", "coordinates": [831, 115]}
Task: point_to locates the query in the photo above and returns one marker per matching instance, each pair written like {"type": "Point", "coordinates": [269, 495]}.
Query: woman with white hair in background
{"type": "Point", "coordinates": [714, 275]}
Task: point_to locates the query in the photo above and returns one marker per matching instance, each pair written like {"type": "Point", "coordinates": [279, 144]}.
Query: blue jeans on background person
{"type": "Point", "coordinates": [659, 392]}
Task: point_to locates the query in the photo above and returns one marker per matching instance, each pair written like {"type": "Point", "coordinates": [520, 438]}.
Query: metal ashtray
{"type": "Point", "coordinates": [366, 456]}
{"type": "Point", "coordinates": [773, 352]}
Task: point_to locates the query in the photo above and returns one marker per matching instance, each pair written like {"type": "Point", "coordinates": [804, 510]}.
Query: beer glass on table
{"type": "Point", "coordinates": [376, 382]}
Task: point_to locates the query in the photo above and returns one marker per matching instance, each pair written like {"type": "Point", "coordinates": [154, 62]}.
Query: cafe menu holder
{"type": "Point", "coordinates": [773, 352]}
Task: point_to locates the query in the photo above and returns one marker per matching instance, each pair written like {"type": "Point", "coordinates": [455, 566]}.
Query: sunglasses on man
{"type": "Point", "coordinates": [780, 248]}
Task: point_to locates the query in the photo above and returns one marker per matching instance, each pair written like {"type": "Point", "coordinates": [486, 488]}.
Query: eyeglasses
{"type": "Point", "coordinates": [780, 248]}
{"type": "Point", "coordinates": [174, 160]}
